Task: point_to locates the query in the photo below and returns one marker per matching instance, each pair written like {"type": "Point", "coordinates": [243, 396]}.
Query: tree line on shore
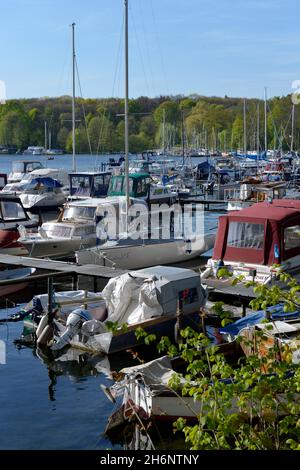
{"type": "Point", "coordinates": [162, 122]}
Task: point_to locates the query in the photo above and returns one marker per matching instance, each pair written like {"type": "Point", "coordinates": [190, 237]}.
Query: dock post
{"type": "Point", "coordinates": [244, 307]}
{"type": "Point", "coordinates": [50, 300]}
{"type": "Point", "coordinates": [75, 281]}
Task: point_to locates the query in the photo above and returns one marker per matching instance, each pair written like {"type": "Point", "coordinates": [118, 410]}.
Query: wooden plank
{"type": "Point", "coordinates": [61, 266]}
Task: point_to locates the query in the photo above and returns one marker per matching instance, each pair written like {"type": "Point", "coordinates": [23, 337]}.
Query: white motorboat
{"type": "Point", "coordinates": [146, 298]}
{"type": "Point", "coordinates": [42, 194]}
{"type": "Point", "coordinates": [74, 229]}
{"type": "Point", "coordinates": [251, 241]}
{"type": "Point", "coordinates": [57, 174]}
{"type": "Point", "coordinates": [20, 168]}
{"type": "Point", "coordinates": [253, 191]}
{"type": "Point", "coordinates": [34, 150]}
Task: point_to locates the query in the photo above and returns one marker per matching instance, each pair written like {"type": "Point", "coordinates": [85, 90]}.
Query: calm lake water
{"type": "Point", "coordinates": [83, 162]}
{"type": "Point", "coordinates": [56, 404]}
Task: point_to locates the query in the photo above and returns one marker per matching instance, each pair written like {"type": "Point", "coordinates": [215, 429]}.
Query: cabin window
{"type": "Point", "coordinates": [12, 210]}
{"type": "Point", "coordinates": [117, 185]}
{"type": "Point", "coordinates": [86, 230]}
{"type": "Point", "coordinates": [60, 231]}
{"type": "Point", "coordinates": [100, 184]}
{"type": "Point", "coordinates": [18, 167]}
{"type": "Point", "coordinates": [142, 187]}
{"type": "Point", "coordinates": [80, 185]}
{"type": "Point", "coordinates": [188, 296]}
{"type": "Point", "coordinates": [246, 235]}
{"type": "Point", "coordinates": [79, 212]}
{"type": "Point", "coordinates": [292, 237]}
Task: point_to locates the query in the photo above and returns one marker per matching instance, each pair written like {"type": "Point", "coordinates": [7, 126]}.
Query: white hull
{"type": "Point", "coordinates": [55, 247]}
{"type": "Point", "coordinates": [148, 254]}
{"type": "Point", "coordinates": [42, 201]}
{"type": "Point", "coordinates": [16, 251]}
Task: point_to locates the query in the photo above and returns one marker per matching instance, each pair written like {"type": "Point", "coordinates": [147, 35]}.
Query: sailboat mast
{"type": "Point", "coordinates": [293, 125]}
{"type": "Point", "coordinates": [73, 97]}
{"type": "Point", "coordinates": [45, 140]}
{"type": "Point", "coordinates": [257, 135]}
{"type": "Point", "coordinates": [266, 137]}
{"type": "Point", "coordinates": [126, 115]}
{"type": "Point", "coordinates": [245, 129]}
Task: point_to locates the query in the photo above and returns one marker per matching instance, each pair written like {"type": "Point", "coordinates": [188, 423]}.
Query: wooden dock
{"type": "Point", "coordinates": [56, 268]}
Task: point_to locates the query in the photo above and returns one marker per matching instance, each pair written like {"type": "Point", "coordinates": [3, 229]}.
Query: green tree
{"type": "Point", "coordinates": [14, 129]}
{"type": "Point", "coordinates": [62, 138]}
{"type": "Point", "coordinates": [171, 111]}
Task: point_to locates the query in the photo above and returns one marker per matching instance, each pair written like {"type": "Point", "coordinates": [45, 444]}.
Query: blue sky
{"type": "Point", "coordinates": [232, 47]}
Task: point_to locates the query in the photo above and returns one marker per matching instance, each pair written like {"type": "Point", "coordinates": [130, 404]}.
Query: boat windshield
{"type": "Point", "coordinates": [11, 210]}
{"type": "Point", "coordinates": [79, 212]}
{"type": "Point", "coordinates": [18, 167]}
{"type": "Point", "coordinates": [58, 230]}
{"type": "Point", "coordinates": [246, 235]}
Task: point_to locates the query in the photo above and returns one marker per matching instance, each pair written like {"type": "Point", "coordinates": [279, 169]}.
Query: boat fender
{"type": "Point", "coordinates": [45, 336]}
{"type": "Point", "coordinates": [206, 273]}
{"type": "Point", "coordinates": [42, 325]}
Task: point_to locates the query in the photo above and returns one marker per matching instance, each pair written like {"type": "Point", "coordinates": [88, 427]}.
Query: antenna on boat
{"type": "Point", "coordinates": [45, 140]}
{"type": "Point", "coordinates": [257, 139]}
{"type": "Point", "coordinates": [126, 115]}
{"type": "Point", "coordinates": [245, 130]}
{"type": "Point", "coordinates": [73, 98]}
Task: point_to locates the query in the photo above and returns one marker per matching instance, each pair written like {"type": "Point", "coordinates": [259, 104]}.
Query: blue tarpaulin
{"type": "Point", "coordinates": [47, 181]}
{"type": "Point", "coordinates": [276, 313]}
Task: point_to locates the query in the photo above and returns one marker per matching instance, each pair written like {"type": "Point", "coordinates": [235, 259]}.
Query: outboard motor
{"type": "Point", "coordinates": [74, 322]}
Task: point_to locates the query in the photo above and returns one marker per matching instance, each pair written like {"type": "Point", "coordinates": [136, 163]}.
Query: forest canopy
{"type": "Point", "coordinates": [208, 122]}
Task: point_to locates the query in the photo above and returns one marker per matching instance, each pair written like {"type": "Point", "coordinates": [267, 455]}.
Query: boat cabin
{"type": "Point", "coordinates": [21, 167]}
{"type": "Point", "coordinates": [89, 184]}
{"type": "Point", "coordinates": [139, 185]}
{"type": "Point", "coordinates": [252, 240]}
{"type": "Point", "coordinates": [13, 214]}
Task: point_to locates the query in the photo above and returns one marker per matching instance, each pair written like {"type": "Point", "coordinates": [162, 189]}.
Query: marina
{"type": "Point", "coordinates": [149, 240]}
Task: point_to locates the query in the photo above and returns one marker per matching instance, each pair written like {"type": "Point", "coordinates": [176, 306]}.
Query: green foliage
{"type": "Point", "coordinates": [218, 122]}
{"type": "Point", "coordinates": [226, 316]}
{"type": "Point", "coordinates": [254, 411]}
{"type": "Point", "coordinates": [252, 404]}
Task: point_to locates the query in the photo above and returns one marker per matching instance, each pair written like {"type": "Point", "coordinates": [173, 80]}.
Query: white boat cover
{"type": "Point", "coordinates": [159, 371]}
{"type": "Point", "coordinates": [131, 299]}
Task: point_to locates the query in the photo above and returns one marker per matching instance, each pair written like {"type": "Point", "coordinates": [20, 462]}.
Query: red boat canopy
{"type": "Point", "coordinates": [265, 233]}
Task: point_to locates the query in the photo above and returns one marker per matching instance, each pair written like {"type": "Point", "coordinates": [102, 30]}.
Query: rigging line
{"type": "Point", "coordinates": [149, 60]}
{"type": "Point", "coordinates": [118, 57]}
{"type": "Point", "coordinates": [159, 47]}
{"type": "Point", "coordinates": [101, 132]}
{"type": "Point", "coordinates": [59, 83]}
{"type": "Point", "coordinates": [139, 49]}
{"type": "Point", "coordinates": [285, 129]}
{"type": "Point", "coordinates": [116, 73]}
{"type": "Point", "coordinates": [83, 109]}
